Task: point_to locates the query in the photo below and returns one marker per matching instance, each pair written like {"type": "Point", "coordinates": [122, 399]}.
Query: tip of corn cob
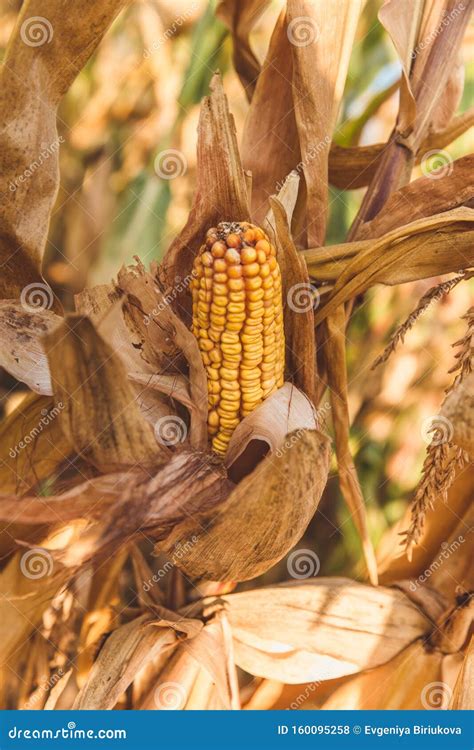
{"type": "Point", "coordinates": [238, 322]}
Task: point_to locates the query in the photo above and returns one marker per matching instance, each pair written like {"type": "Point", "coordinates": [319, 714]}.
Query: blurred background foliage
{"type": "Point", "coordinates": [138, 96]}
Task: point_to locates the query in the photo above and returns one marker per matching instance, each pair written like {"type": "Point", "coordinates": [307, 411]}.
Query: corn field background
{"type": "Point", "coordinates": [325, 561]}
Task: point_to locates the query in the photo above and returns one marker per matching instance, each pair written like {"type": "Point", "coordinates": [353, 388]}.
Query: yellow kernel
{"type": "Point", "coordinates": [233, 240]}
{"type": "Point", "coordinates": [213, 386]}
{"type": "Point", "coordinates": [231, 349]}
{"type": "Point", "coordinates": [205, 345]}
{"type": "Point", "coordinates": [218, 249]}
{"type": "Point", "coordinates": [207, 259]}
{"type": "Point", "coordinates": [220, 290]}
{"type": "Point", "coordinates": [214, 335]}
{"type": "Point", "coordinates": [213, 419]}
{"type": "Point", "coordinates": [236, 285]}
{"type": "Point", "coordinates": [267, 367]}
{"type": "Point", "coordinates": [264, 246]}
{"type": "Point", "coordinates": [217, 320]}
{"type": "Point", "coordinates": [227, 374]}
{"type": "Point", "coordinates": [252, 269]}
{"type": "Point", "coordinates": [220, 265]}
{"type": "Point", "coordinates": [249, 235]}
{"type": "Point", "coordinates": [218, 309]}
{"type": "Point", "coordinates": [232, 256]}
{"type": "Point", "coordinates": [220, 278]}
{"type": "Point", "coordinates": [272, 262]}
{"type": "Point", "coordinates": [215, 355]}
{"type": "Point", "coordinates": [230, 338]}
{"type": "Point", "coordinates": [261, 257]}
{"type": "Point", "coordinates": [255, 295]}
{"type": "Point", "coordinates": [220, 300]}
{"type": "Point", "coordinates": [230, 423]}
{"type": "Point", "coordinates": [237, 296]}
{"type": "Point", "coordinates": [253, 283]}
{"type": "Point", "coordinates": [230, 385]}
{"type": "Point", "coordinates": [236, 307]}
{"type": "Point", "coordinates": [248, 255]}
{"type": "Point", "coordinates": [234, 325]}
{"type": "Point", "coordinates": [212, 373]}
{"type": "Point", "coordinates": [250, 338]}
{"type": "Point", "coordinates": [268, 282]}
{"type": "Point", "coordinates": [230, 396]}
{"type": "Point", "coordinates": [208, 272]}
{"type": "Point", "coordinates": [234, 272]}
{"type": "Point", "coordinates": [265, 270]}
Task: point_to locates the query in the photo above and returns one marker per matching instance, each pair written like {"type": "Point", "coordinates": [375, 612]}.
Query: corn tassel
{"type": "Point", "coordinates": [238, 322]}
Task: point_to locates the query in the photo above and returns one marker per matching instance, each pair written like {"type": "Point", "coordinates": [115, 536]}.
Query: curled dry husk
{"type": "Point", "coordinates": [320, 629]}
{"type": "Point", "coordinates": [126, 361]}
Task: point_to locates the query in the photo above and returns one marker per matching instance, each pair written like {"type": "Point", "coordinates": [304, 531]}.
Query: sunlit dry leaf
{"type": "Point", "coordinates": [458, 409]}
{"type": "Point", "coordinates": [126, 651]}
{"type": "Point", "coordinates": [463, 695]}
{"type": "Point", "coordinates": [240, 18]}
{"type": "Point", "coordinates": [33, 79]}
{"type": "Point", "coordinates": [99, 413]}
{"type": "Point", "coordinates": [343, 626]}
{"type": "Point", "coordinates": [262, 518]}
{"type": "Point", "coordinates": [220, 172]}
{"type": "Point", "coordinates": [21, 351]}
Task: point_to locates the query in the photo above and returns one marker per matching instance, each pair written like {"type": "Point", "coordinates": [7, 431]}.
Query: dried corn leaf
{"type": "Point", "coordinates": [240, 18]}
{"type": "Point", "coordinates": [434, 245]}
{"type": "Point", "coordinates": [348, 626]}
{"type": "Point", "coordinates": [403, 683]}
{"type": "Point", "coordinates": [425, 197]}
{"type": "Point", "coordinates": [220, 173]}
{"type": "Point", "coordinates": [283, 412]}
{"type": "Point", "coordinates": [299, 304]}
{"type": "Point", "coordinates": [262, 518]}
{"type": "Point", "coordinates": [335, 357]}
{"type": "Point", "coordinates": [33, 79]}
{"type": "Point", "coordinates": [352, 167]}
{"type": "Point", "coordinates": [458, 409]}
{"type": "Point", "coordinates": [127, 651]}
{"type": "Point", "coordinates": [21, 351]}
{"type": "Point", "coordinates": [99, 413]}
{"type": "Point", "coordinates": [271, 130]}
{"type": "Point", "coordinates": [463, 695]}
{"type": "Point", "coordinates": [319, 74]}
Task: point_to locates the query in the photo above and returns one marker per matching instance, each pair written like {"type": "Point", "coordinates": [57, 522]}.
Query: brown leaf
{"type": "Point", "coordinates": [21, 350]}
{"type": "Point", "coordinates": [262, 518]}
{"type": "Point", "coordinates": [127, 650]}
{"type": "Point", "coordinates": [99, 413]}
{"type": "Point", "coordinates": [463, 696]}
{"type": "Point", "coordinates": [341, 626]}
{"type": "Point", "coordinates": [220, 172]}
{"type": "Point", "coordinates": [335, 357]}
{"type": "Point", "coordinates": [298, 307]}
{"type": "Point", "coordinates": [240, 18]}
{"type": "Point", "coordinates": [33, 79]}
{"type": "Point", "coordinates": [458, 409]}
{"type": "Point", "coordinates": [319, 74]}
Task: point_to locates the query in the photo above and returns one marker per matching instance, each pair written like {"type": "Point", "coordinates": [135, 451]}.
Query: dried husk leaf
{"type": "Point", "coordinates": [430, 246]}
{"type": "Point", "coordinates": [262, 518]}
{"type": "Point", "coordinates": [33, 79]}
{"type": "Point", "coordinates": [99, 413]}
{"type": "Point", "coordinates": [399, 684]}
{"type": "Point", "coordinates": [127, 651]}
{"type": "Point", "coordinates": [219, 172]}
{"type": "Point", "coordinates": [339, 626]}
{"type": "Point", "coordinates": [21, 350]}
{"type": "Point", "coordinates": [463, 695]}
{"type": "Point", "coordinates": [283, 412]}
{"type": "Point", "coordinates": [458, 408]}
{"type": "Point", "coordinates": [271, 130]}
{"type": "Point", "coordinates": [352, 167]}
{"type": "Point", "coordinates": [335, 357]}
{"type": "Point", "coordinates": [240, 18]}
{"type": "Point", "coordinates": [319, 70]}
{"type": "Point", "coordinates": [298, 317]}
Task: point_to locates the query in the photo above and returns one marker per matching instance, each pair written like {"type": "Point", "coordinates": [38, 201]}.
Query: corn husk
{"type": "Point", "coordinates": [320, 629]}
{"type": "Point", "coordinates": [463, 695]}
{"type": "Point", "coordinates": [458, 408]}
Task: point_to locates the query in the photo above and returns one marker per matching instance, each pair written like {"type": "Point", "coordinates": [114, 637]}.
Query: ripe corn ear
{"type": "Point", "coordinates": [238, 322]}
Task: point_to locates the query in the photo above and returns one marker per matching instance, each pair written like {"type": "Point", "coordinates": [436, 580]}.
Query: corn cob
{"type": "Point", "coordinates": [238, 322]}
